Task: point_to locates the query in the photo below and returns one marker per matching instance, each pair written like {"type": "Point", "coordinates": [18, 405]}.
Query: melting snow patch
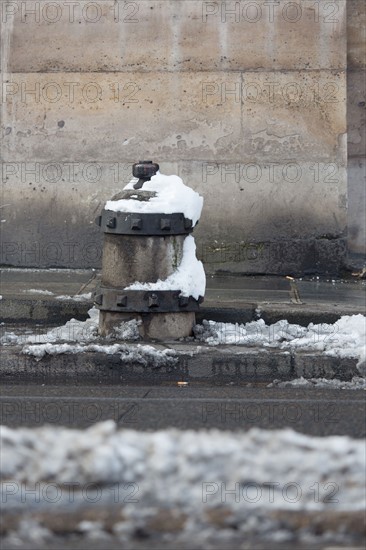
{"type": "Point", "coordinates": [143, 355]}
{"type": "Point", "coordinates": [38, 291]}
{"type": "Point", "coordinates": [76, 298]}
{"type": "Point", "coordinates": [40, 350]}
{"type": "Point", "coordinates": [345, 338]}
{"type": "Point", "coordinates": [128, 330]}
{"type": "Point", "coordinates": [72, 331]}
{"type": "Point", "coordinates": [189, 278]}
{"type": "Point", "coordinates": [357, 383]}
{"type": "Point", "coordinates": [171, 196]}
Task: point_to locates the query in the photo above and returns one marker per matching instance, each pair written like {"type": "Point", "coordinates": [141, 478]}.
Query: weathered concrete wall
{"type": "Point", "coordinates": [356, 119]}
{"type": "Point", "coordinates": [249, 107]}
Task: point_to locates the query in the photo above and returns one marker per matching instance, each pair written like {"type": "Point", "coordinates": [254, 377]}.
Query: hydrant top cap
{"type": "Point", "coordinates": [145, 169]}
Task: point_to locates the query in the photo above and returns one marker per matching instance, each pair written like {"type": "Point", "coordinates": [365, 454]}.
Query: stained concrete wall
{"type": "Point", "coordinates": [356, 117]}
{"type": "Point", "coordinates": [245, 100]}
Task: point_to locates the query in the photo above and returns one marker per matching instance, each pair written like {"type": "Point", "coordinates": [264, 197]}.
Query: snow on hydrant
{"type": "Point", "coordinates": [150, 272]}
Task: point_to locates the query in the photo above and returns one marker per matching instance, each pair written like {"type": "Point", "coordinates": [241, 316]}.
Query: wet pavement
{"type": "Point", "coordinates": [278, 289]}
{"type": "Point", "coordinates": [33, 295]}
{"type": "Point", "coordinates": [219, 288]}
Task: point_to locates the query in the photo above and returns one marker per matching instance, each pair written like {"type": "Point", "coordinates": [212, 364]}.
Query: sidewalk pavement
{"type": "Point", "coordinates": [228, 298]}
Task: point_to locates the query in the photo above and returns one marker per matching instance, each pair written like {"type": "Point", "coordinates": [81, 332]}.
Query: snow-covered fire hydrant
{"type": "Point", "coordinates": [150, 272]}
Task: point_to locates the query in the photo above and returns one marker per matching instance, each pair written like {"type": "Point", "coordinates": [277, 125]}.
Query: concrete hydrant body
{"type": "Point", "coordinates": [149, 269]}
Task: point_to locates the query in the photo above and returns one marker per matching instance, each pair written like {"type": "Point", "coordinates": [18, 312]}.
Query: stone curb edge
{"type": "Point", "coordinates": [52, 312]}
{"type": "Point", "coordinates": [213, 366]}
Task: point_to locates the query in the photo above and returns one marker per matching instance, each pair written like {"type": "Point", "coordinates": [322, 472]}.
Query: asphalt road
{"type": "Point", "coordinates": [312, 411]}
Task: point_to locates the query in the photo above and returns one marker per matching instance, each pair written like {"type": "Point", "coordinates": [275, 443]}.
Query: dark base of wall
{"type": "Point", "coordinates": [285, 257]}
{"type": "Point", "coordinates": [290, 257]}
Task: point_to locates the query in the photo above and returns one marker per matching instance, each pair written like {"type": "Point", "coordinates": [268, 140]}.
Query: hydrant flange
{"type": "Point", "coordinates": [133, 223]}
{"type": "Point", "coordinates": [158, 301]}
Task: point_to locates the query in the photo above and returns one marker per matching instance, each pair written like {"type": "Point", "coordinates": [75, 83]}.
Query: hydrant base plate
{"type": "Point", "coordinates": [141, 301]}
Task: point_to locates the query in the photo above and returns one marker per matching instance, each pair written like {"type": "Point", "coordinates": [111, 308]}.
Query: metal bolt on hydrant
{"type": "Point", "coordinates": [149, 269]}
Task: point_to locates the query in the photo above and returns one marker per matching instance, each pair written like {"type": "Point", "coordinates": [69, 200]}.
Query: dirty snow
{"type": "Point", "coordinates": [141, 354]}
{"type": "Point", "coordinates": [80, 333]}
{"type": "Point", "coordinates": [38, 291]}
{"type": "Point", "coordinates": [345, 338]}
{"type": "Point", "coordinates": [189, 277]}
{"type": "Point", "coordinates": [72, 331]}
{"type": "Point", "coordinates": [127, 330]}
{"type": "Point", "coordinates": [171, 196]}
{"type": "Point", "coordinates": [76, 297]}
{"type": "Point", "coordinates": [357, 383]}
{"type": "Point", "coordinates": [189, 468]}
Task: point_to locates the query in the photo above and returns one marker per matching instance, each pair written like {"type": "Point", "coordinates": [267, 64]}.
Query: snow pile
{"type": "Point", "coordinates": [57, 341]}
{"type": "Point", "coordinates": [357, 383]}
{"type": "Point", "coordinates": [171, 196]}
{"type": "Point", "coordinates": [189, 277]}
{"type": "Point", "coordinates": [210, 487]}
{"type": "Point", "coordinates": [147, 356]}
{"type": "Point", "coordinates": [72, 331]}
{"type": "Point", "coordinates": [345, 338]}
{"type": "Point", "coordinates": [269, 470]}
{"type": "Point", "coordinates": [7, 338]}
{"type": "Point", "coordinates": [76, 337]}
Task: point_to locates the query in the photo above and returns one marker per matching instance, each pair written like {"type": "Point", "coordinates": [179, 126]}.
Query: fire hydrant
{"type": "Point", "coordinates": [150, 272]}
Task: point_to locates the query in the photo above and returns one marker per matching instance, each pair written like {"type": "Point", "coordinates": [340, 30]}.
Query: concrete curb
{"type": "Point", "coordinates": [216, 366]}
{"type": "Point", "coordinates": [30, 311]}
